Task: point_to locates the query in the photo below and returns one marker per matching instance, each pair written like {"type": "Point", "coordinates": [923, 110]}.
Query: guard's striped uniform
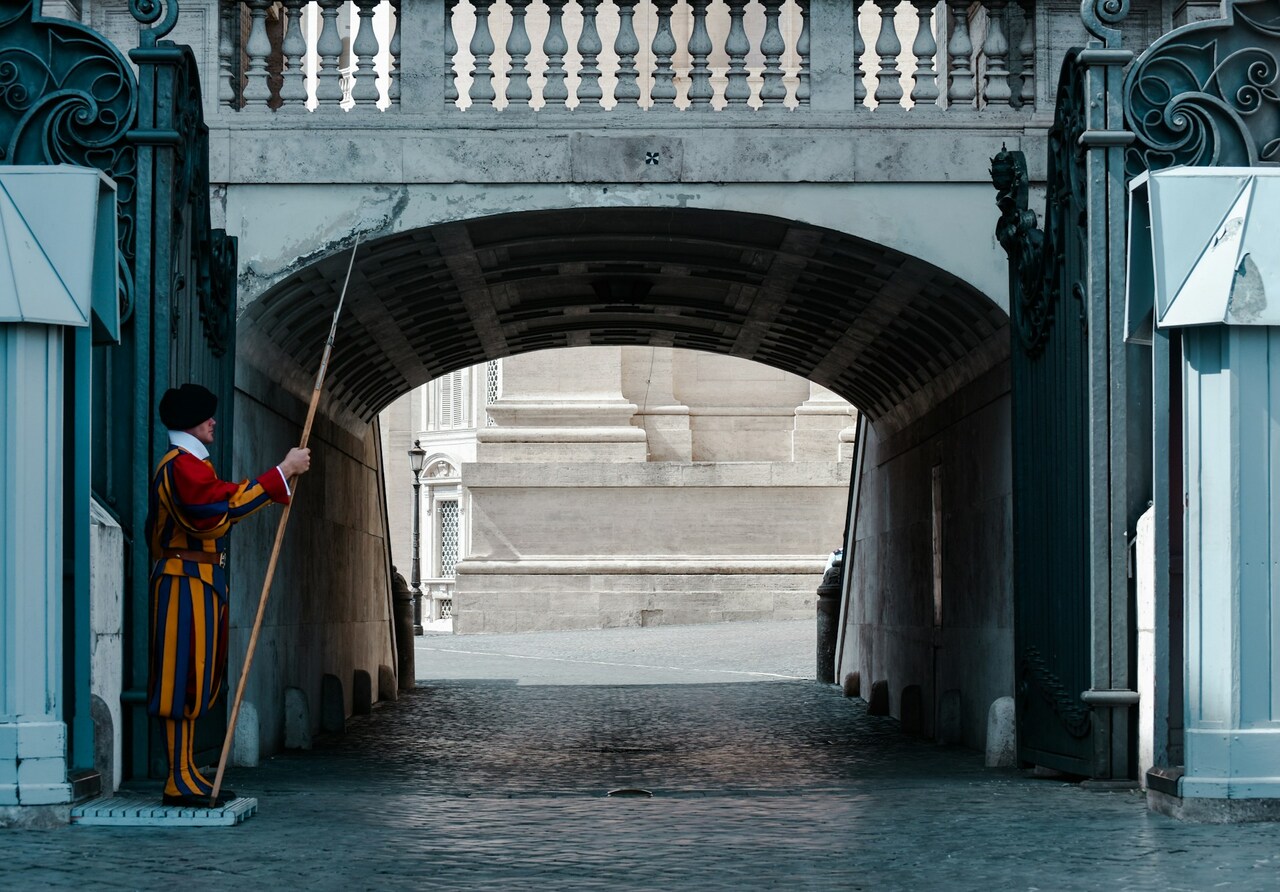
{"type": "Point", "coordinates": [191, 510]}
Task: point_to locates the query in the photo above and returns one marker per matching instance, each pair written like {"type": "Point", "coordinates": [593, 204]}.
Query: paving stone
{"type": "Point", "coordinates": [760, 781]}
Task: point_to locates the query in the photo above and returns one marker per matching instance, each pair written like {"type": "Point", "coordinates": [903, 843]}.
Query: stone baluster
{"type": "Point", "coordinates": [802, 52]}
{"type": "Point", "coordinates": [482, 47]}
{"type": "Point", "coordinates": [888, 47]}
{"type": "Point", "coordinates": [924, 92]}
{"type": "Point", "coordinates": [518, 47]}
{"type": "Point", "coordinates": [664, 50]}
{"type": "Point", "coordinates": [293, 88]}
{"type": "Point", "coordinates": [737, 90]}
{"type": "Point", "coordinates": [450, 53]}
{"type": "Point", "coordinates": [589, 46]}
{"type": "Point", "coordinates": [700, 47]}
{"type": "Point", "coordinates": [393, 63]}
{"type": "Point", "coordinates": [859, 50]}
{"type": "Point", "coordinates": [329, 48]}
{"type": "Point", "coordinates": [256, 90]}
{"type": "Point", "coordinates": [995, 48]}
{"type": "Point", "coordinates": [365, 47]}
{"type": "Point", "coordinates": [627, 45]}
{"type": "Point", "coordinates": [772, 91]}
{"type": "Point", "coordinates": [1027, 52]}
{"type": "Point", "coordinates": [555, 92]}
{"type": "Point", "coordinates": [229, 56]}
{"type": "Point", "coordinates": [960, 92]}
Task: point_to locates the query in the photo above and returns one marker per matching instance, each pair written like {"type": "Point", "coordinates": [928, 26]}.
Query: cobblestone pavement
{"type": "Point", "coordinates": [499, 781]}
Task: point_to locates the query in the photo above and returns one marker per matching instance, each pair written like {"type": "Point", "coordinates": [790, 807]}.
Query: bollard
{"type": "Point", "coordinates": [402, 601]}
{"type": "Point", "coordinates": [829, 620]}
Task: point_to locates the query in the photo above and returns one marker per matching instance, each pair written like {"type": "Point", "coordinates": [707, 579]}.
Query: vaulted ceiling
{"type": "Point", "coordinates": [886, 331]}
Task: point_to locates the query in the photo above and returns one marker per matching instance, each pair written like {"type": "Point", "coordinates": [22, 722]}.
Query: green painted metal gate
{"type": "Point", "coordinates": [1049, 382]}
{"type": "Point", "coordinates": [1073, 445]}
{"type": "Point", "coordinates": [72, 98]}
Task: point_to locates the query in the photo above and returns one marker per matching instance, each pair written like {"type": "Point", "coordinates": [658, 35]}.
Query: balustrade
{"type": "Point", "coordinates": [595, 56]}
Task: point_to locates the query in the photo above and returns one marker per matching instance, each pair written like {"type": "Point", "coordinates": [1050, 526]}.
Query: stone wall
{"type": "Point", "coordinates": [581, 545]}
{"type": "Point", "coordinates": [329, 611]}
{"type": "Point", "coordinates": [106, 596]}
{"type": "Point", "coordinates": [891, 634]}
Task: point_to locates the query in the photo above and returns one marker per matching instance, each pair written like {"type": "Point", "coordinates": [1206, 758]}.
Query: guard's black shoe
{"type": "Point", "coordinates": [198, 801]}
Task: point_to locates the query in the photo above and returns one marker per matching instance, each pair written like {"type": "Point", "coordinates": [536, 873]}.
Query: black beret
{"type": "Point", "coordinates": [185, 407]}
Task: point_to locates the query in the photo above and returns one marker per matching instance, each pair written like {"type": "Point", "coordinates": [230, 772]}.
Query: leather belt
{"type": "Point", "coordinates": [199, 557]}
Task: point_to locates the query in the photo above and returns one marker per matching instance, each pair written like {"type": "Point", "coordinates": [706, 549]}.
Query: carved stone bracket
{"type": "Point", "coordinates": [1023, 241]}
{"type": "Point", "coordinates": [1208, 93]}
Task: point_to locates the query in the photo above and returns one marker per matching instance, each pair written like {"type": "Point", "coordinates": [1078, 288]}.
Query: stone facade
{"type": "Point", "coordinates": [732, 478]}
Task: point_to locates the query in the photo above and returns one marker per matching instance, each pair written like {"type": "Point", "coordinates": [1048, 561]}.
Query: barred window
{"type": "Point", "coordinates": [448, 539]}
{"type": "Point", "coordinates": [492, 387]}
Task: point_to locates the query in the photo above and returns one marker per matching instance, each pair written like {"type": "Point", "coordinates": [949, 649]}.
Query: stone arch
{"type": "Point", "coordinates": [887, 331]}
{"type": "Point", "coordinates": [920, 350]}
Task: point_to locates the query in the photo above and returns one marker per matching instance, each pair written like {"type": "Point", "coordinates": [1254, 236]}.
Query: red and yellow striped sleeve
{"type": "Point", "coordinates": [205, 506]}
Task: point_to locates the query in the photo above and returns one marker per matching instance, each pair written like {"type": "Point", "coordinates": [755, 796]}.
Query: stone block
{"type": "Point", "coordinates": [852, 684]}
{"type": "Point", "coordinates": [41, 772]}
{"type": "Point", "coordinates": [38, 740]}
{"type": "Point", "coordinates": [911, 707]}
{"type": "Point", "coordinates": [8, 771]}
{"type": "Point", "coordinates": [297, 720]}
{"type": "Point", "coordinates": [387, 690]}
{"type": "Point", "coordinates": [44, 794]}
{"type": "Point", "coordinates": [8, 741]}
{"type": "Point", "coordinates": [361, 693]}
{"type": "Point", "coordinates": [8, 796]}
{"type": "Point", "coordinates": [950, 718]}
{"type": "Point", "coordinates": [246, 746]}
{"type": "Point", "coordinates": [1001, 734]}
{"type": "Point", "coordinates": [104, 743]}
{"type": "Point", "coordinates": [333, 706]}
{"type": "Point", "coordinates": [879, 702]}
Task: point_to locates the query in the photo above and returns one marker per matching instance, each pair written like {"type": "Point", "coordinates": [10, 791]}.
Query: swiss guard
{"type": "Point", "coordinates": [190, 516]}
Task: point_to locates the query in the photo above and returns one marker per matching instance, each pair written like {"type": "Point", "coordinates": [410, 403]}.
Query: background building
{"type": "Point", "coordinates": [733, 476]}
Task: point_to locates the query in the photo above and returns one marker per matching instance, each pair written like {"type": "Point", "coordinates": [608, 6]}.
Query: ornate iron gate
{"type": "Point", "coordinates": [1049, 374]}
{"type": "Point", "coordinates": [1080, 443]}
{"type": "Point", "coordinates": [68, 96]}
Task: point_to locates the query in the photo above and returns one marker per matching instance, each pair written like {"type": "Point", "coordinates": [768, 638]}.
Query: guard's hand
{"type": "Point", "coordinates": [298, 461]}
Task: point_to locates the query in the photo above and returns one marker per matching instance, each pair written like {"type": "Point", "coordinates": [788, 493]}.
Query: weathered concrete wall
{"type": "Point", "coordinates": [329, 609]}
{"type": "Point", "coordinates": [891, 633]}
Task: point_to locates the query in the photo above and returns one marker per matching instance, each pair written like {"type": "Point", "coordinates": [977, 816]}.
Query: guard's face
{"type": "Point", "coordinates": [204, 432]}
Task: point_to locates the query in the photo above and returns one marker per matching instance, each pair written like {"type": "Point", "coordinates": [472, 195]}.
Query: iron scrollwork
{"type": "Point", "coordinates": [1036, 679]}
{"type": "Point", "coordinates": [161, 14]}
{"type": "Point", "coordinates": [67, 96]}
{"type": "Point", "coordinates": [1208, 93]}
{"type": "Point", "coordinates": [1102, 18]}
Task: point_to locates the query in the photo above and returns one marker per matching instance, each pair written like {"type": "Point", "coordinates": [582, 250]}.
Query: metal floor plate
{"type": "Point", "coordinates": [132, 811]}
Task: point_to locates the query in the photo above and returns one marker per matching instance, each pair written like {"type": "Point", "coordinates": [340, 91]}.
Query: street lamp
{"type": "Point", "coordinates": [417, 457]}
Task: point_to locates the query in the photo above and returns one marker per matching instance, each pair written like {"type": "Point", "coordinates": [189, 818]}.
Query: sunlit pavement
{"type": "Point", "coordinates": [495, 773]}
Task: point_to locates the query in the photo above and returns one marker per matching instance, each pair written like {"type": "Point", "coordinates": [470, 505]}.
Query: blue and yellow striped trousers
{"type": "Point", "coordinates": [192, 511]}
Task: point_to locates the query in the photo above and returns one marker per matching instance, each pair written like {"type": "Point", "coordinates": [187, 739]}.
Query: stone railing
{"type": "Point", "coordinates": [602, 56]}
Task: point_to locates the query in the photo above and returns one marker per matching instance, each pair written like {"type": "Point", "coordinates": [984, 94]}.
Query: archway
{"type": "Point", "coordinates": [919, 351]}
